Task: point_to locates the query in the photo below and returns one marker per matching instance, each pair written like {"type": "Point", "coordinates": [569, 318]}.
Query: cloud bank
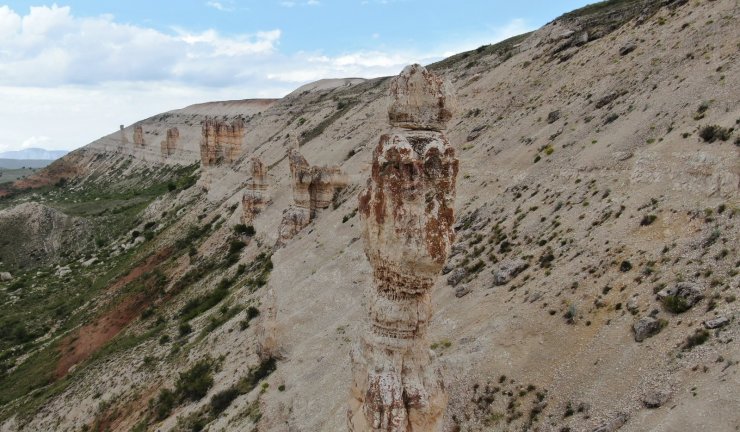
{"type": "Point", "coordinates": [66, 80]}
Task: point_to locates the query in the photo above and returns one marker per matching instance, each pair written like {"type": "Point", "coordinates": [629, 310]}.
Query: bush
{"type": "Point", "coordinates": [712, 133]}
{"type": "Point", "coordinates": [676, 304]}
{"type": "Point", "coordinates": [625, 266]}
{"type": "Point", "coordinates": [164, 404]}
{"type": "Point", "coordinates": [194, 383]}
{"type": "Point", "coordinates": [648, 220]}
{"type": "Point", "coordinates": [185, 329]}
{"type": "Point", "coordinates": [242, 229]}
{"type": "Point", "coordinates": [221, 400]}
{"type": "Point", "coordinates": [696, 339]}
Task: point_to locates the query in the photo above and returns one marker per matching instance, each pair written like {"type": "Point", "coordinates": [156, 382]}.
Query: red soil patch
{"type": "Point", "coordinates": [90, 338]}
{"type": "Point", "coordinates": [64, 168]}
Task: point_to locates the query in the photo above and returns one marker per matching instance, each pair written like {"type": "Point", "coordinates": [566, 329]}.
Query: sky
{"type": "Point", "coordinates": [72, 71]}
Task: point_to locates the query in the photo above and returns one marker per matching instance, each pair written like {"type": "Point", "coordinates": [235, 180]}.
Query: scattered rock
{"type": "Point", "coordinates": [62, 271]}
{"type": "Point", "coordinates": [462, 291]}
{"type": "Point", "coordinates": [655, 398]}
{"type": "Point", "coordinates": [90, 262]}
{"type": "Point", "coordinates": [611, 425]}
{"type": "Point", "coordinates": [5, 276]}
{"type": "Point", "coordinates": [646, 327]}
{"type": "Point", "coordinates": [475, 133]}
{"type": "Point", "coordinates": [627, 48]}
{"type": "Point", "coordinates": [507, 270]}
{"type": "Point", "coordinates": [553, 116]}
{"type": "Point", "coordinates": [632, 306]}
{"type": "Point", "coordinates": [716, 323]}
{"type": "Point", "coordinates": [691, 292]}
{"type": "Point", "coordinates": [456, 276]}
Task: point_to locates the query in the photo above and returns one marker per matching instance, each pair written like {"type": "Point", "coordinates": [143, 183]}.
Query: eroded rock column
{"type": "Point", "coordinates": [408, 217]}
{"type": "Point", "coordinates": [169, 145]}
{"type": "Point", "coordinates": [255, 197]}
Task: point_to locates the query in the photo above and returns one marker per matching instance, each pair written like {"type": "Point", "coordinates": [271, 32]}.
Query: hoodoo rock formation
{"type": "Point", "coordinates": [408, 230]}
{"type": "Point", "coordinates": [169, 145]}
{"type": "Point", "coordinates": [221, 142]}
{"type": "Point", "coordinates": [139, 136]}
{"type": "Point", "coordinates": [313, 190]}
{"type": "Point", "coordinates": [255, 198]}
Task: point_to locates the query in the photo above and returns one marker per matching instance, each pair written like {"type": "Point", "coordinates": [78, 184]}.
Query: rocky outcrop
{"type": "Point", "coordinates": [313, 190]}
{"type": "Point", "coordinates": [169, 145]}
{"type": "Point", "coordinates": [33, 234]}
{"type": "Point", "coordinates": [139, 136]}
{"type": "Point", "coordinates": [408, 221]}
{"type": "Point", "coordinates": [267, 341]}
{"type": "Point", "coordinates": [255, 198]}
{"type": "Point", "coordinates": [221, 142]}
{"type": "Point", "coordinates": [122, 139]}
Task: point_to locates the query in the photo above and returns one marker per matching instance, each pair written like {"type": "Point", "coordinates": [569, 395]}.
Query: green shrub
{"type": "Point", "coordinates": [242, 229]}
{"type": "Point", "coordinates": [625, 266]}
{"type": "Point", "coordinates": [712, 133]}
{"type": "Point", "coordinates": [221, 400]}
{"type": "Point", "coordinates": [676, 304]}
{"type": "Point", "coordinates": [194, 383]}
{"type": "Point", "coordinates": [164, 404]}
{"type": "Point", "coordinates": [648, 220]}
{"type": "Point", "coordinates": [698, 338]}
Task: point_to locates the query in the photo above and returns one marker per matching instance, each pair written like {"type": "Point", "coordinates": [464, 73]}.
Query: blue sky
{"type": "Point", "coordinates": [72, 71]}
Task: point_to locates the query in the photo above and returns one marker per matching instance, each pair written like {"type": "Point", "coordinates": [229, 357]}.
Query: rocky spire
{"type": "Point", "coordinates": [255, 197]}
{"type": "Point", "coordinates": [139, 136]}
{"type": "Point", "coordinates": [313, 190]}
{"type": "Point", "coordinates": [169, 145]}
{"type": "Point", "coordinates": [407, 213]}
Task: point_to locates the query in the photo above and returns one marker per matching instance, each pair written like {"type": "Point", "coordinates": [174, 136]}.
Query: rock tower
{"type": "Point", "coordinates": [139, 136]}
{"type": "Point", "coordinates": [220, 141]}
{"type": "Point", "coordinates": [169, 145]}
{"type": "Point", "coordinates": [408, 217]}
{"type": "Point", "coordinates": [255, 197]}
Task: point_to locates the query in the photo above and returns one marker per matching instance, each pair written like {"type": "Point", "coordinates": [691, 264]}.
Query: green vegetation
{"type": "Point", "coordinates": [712, 133]}
{"type": "Point", "coordinates": [676, 304]}
{"type": "Point", "coordinates": [696, 339]}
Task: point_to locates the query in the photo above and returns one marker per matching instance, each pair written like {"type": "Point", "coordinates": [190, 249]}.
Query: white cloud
{"type": "Point", "coordinates": [67, 80]}
{"type": "Point", "coordinates": [220, 6]}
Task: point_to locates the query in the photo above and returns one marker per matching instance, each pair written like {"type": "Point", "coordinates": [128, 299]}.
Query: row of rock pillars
{"type": "Point", "coordinates": [167, 147]}
{"type": "Point", "coordinates": [408, 217]}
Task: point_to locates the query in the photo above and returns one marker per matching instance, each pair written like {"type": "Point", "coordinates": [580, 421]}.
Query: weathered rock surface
{"type": "Point", "coordinates": [221, 142]}
{"type": "Point", "coordinates": [420, 100]}
{"type": "Point", "coordinates": [313, 190]}
{"type": "Point", "coordinates": [169, 145]}
{"type": "Point", "coordinates": [716, 322]}
{"type": "Point", "coordinates": [655, 398]}
{"type": "Point", "coordinates": [646, 327]}
{"type": "Point", "coordinates": [139, 136]}
{"type": "Point", "coordinates": [33, 234]}
{"type": "Point", "coordinates": [408, 221]}
{"type": "Point", "coordinates": [691, 292]}
{"type": "Point", "coordinates": [5, 277]}
{"type": "Point", "coordinates": [508, 270]}
{"type": "Point", "coordinates": [256, 196]}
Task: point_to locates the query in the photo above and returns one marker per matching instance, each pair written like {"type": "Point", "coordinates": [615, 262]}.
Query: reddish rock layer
{"type": "Point", "coordinates": [221, 142]}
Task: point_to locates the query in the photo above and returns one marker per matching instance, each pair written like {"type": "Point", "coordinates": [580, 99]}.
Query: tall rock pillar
{"type": "Point", "coordinates": [408, 217]}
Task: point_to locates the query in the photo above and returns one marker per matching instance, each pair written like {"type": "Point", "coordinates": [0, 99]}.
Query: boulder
{"type": "Point", "coordinates": [507, 270]}
{"type": "Point", "coordinates": [716, 322]}
{"type": "Point", "coordinates": [462, 291]}
{"type": "Point", "coordinates": [627, 48]}
{"type": "Point", "coordinates": [553, 116]}
{"type": "Point", "coordinates": [655, 398]}
{"type": "Point", "coordinates": [5, 276]}
{"type": "Point", "coordinates": [475, 133]}
{"type": "Point", "coordinates": [63, 271]}
{"type": "Point", "coordinates": [646, 327]}
{"type": "Point", "coordinates": [691, 292]}
{"type": "Point", "coordinates": [612, 425]}
{"type": "Point", "coordinates": [456, 276]}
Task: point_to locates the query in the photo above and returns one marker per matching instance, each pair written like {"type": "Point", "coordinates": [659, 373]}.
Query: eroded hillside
{"type": "Point", "coordinates": [597, 205]}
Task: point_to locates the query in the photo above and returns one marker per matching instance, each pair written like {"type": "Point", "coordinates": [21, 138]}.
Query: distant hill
{"type": "Point", "coordinates": [34, 153]}
{"type": "Point", "coordinates": [23, 163]}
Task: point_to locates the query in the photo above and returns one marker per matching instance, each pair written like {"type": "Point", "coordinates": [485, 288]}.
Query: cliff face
{"type": "Point", "coordinates": [221, 142]}
{"type": "Point", "coordinates": [169, 145]}
{"type": "Point", "coordinates": [408, 217]}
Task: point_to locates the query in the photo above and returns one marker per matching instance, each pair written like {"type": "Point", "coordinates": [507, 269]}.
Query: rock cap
{"type": "Point", "coordinates": [420, 100]}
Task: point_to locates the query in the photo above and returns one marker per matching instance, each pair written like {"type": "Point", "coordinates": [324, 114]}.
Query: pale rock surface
{"type": "Point", "coordinates": [407, 230]}
{"type": "Point", "coordinates": [256, 196]}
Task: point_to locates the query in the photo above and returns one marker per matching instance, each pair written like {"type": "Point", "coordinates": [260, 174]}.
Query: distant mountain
{"type": "Point", "coordinates": [23, 163]}
{"type": "Point", "coordinates": [34, 153]}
